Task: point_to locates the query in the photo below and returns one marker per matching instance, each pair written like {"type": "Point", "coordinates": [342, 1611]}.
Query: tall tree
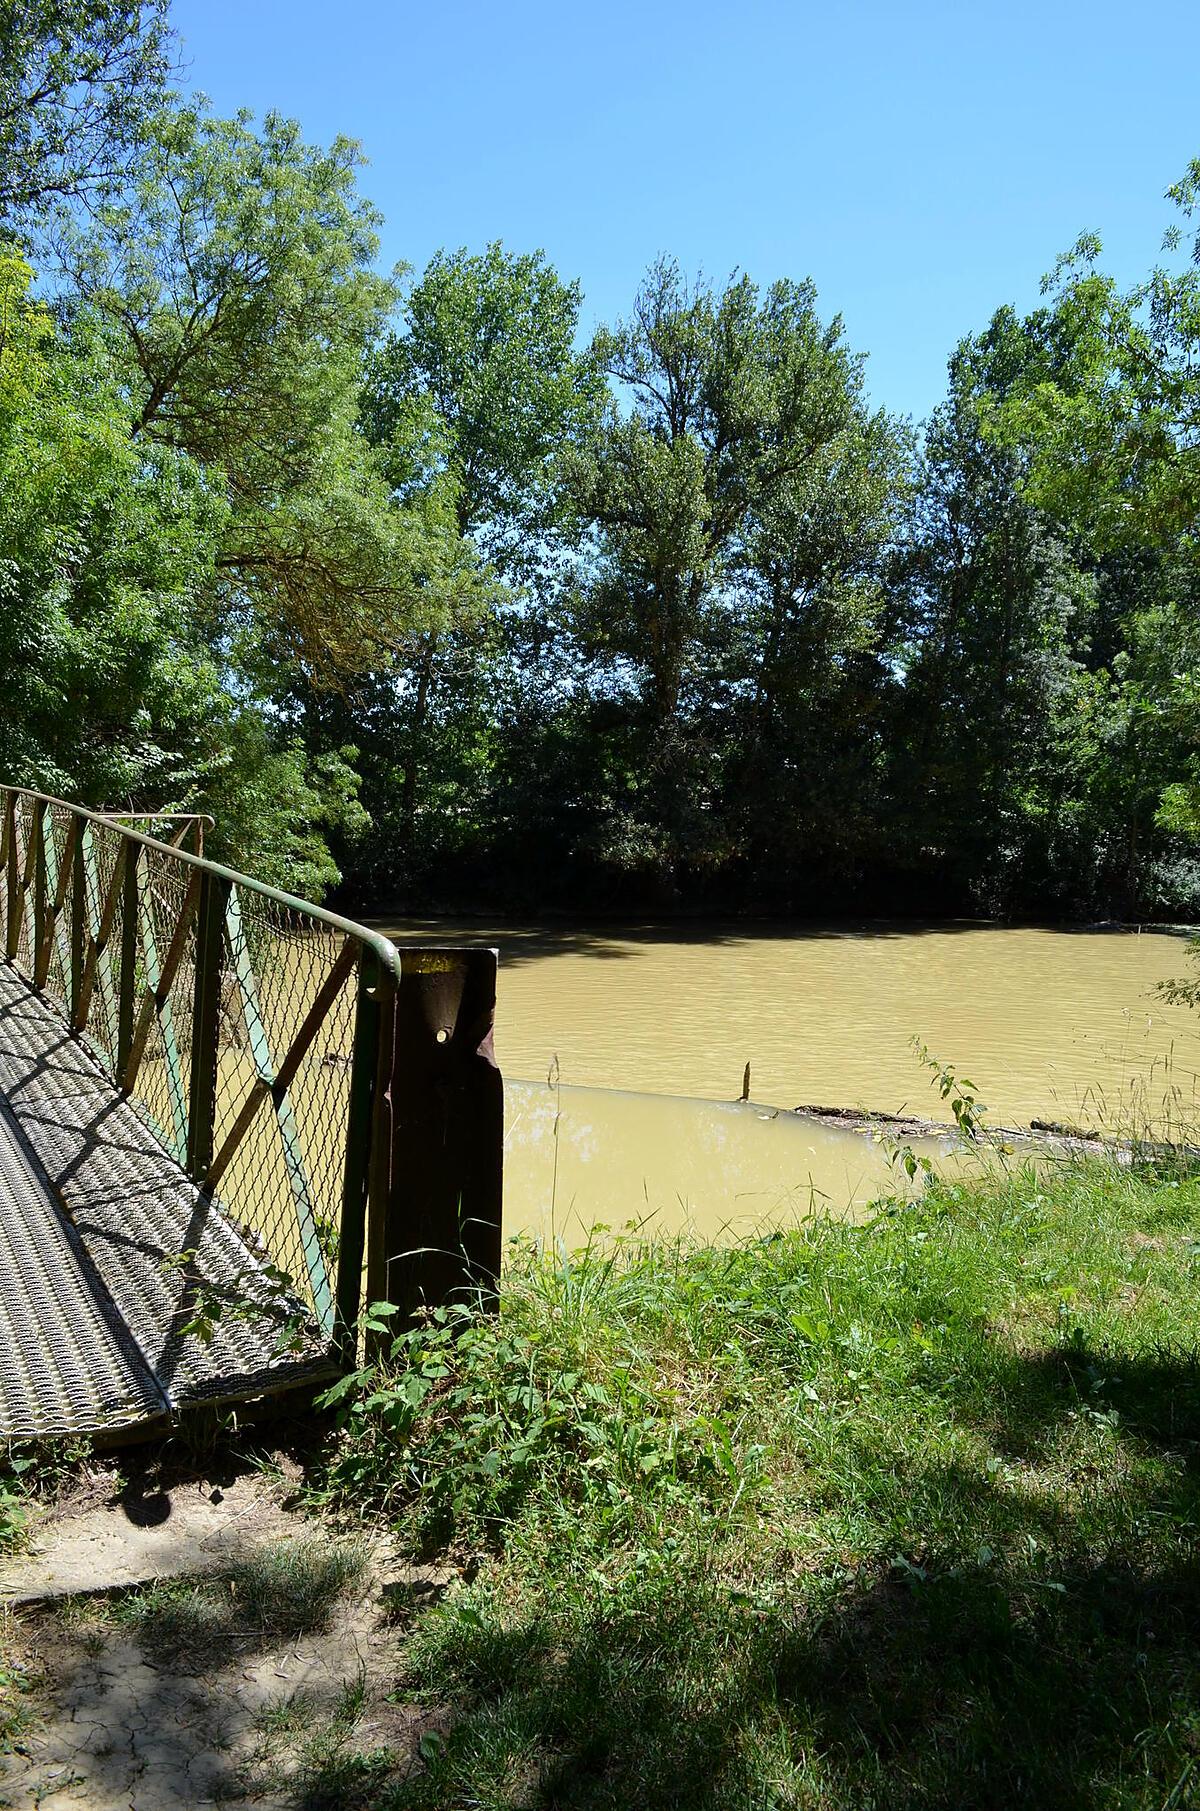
{"type": "Point", "coordinates": [817, 634]}
{"type": "Point", "coordinates": [487, 359]}
{"type": "Point", "coordinates": [996, 611]}
{"type": "Point", "coordinates": [731, 404]}
{"type": "Point", "coordinates": [1044, 696]}
{"type": "Point", "coordinates": [231, 284]}
{"type": "Point", "coordinates": [1111, 428]}
{"type": "Point", "coordinates": [474, 406]}
{"type": "Point", "coordinates": [77, 81]}
{"type": "Point", "coordinates": [109, 690]}
{"type": "Point", "coordinates": [1104, 430]}
{"type": "Point", "coordinates": [741, 493]}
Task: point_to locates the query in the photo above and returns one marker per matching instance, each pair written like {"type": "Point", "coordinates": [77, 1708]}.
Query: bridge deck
{"type": "Point", "coordinates": [96, 1293]}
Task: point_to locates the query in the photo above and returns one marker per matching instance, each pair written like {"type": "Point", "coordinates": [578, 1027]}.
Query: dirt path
{"type": "Point", "coordinates": [229, 1651]}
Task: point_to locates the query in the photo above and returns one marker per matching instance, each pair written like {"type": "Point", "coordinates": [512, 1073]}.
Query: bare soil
{"type": "Point", "coordinates": [120, 1716]}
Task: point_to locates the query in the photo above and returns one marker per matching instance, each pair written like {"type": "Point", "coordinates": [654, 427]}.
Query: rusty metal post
{"type": "Point", "coordinates": [12, 875]}
{"type": "Point", "coordinates": [441, 1231]}
{"type": "Point", "coordinates": [206, 1021]}
{"type": "Point", "coordinates": [370, 1073]}
{"type": "Point", "coordinates": [37, 834]}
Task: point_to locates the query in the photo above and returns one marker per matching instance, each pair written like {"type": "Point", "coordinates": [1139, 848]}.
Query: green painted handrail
{"type": "Point", "coordinates": [386, 951]}
{"type": "Point", "coordinates": [90, 928]}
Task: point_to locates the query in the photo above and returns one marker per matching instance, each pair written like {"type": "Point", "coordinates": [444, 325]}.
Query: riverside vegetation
{"type": "Point", "coordinates": [901, 1513]}
{"type": "Point", "coordinates": [881, 1515]}
{"type": "Point", "coordinates": [411, 589]}
{"type": "Point", "coordinates": [410, 583]}
{"type": "Point", "coordinates": [898, 1514]}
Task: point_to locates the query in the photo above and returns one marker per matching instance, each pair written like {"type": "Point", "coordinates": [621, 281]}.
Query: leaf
{"type": "Point", "coordinates": [341, 1388]}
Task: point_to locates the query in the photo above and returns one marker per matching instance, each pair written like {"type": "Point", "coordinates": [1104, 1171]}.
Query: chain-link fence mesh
{"type": "Point", "coordinates": [109, 927]}
{"type": "Point", "coordinates": [284, 978]}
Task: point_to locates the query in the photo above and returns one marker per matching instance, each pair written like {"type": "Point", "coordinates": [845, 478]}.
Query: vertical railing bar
{"type": "Point", "coordinates": [157, 1004]}
{"type": "Point", "coordinates": [78, 921]}
{"type": "Point", "coordinates": [38, 837]}
{"type": "Point", "coordinates": [365, 1076]}
{"type": "Point", "coordinates": [18, 878]}
{"type": "Point", "coordinates": [160, 976]}
{"type": "Point", "coordinates": [127, 972]}
{"type": "Point", "coordinates": [206, 1021]}
{"type": "Point", "coordinates": [286, 1072]}
{"type": "Point", "coordinates": [421, 1162]}
{"type": "Point", "coordinates": [10, 870]}
{"type": "Point", "coordinates": [46, 887]}
{"type": "Point", "coordinates": [97, 971]}
{"type": "Point", "coordinates": [58, 879]}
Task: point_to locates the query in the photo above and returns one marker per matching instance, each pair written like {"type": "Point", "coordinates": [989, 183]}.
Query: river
{"type": "Point", "coordinates": [1061, 1025]}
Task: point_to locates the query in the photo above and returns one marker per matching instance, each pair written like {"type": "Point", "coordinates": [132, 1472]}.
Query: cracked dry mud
{"type": "Point", "coordinates": [116, 1725]}
{"type": "Point", "coordinates": [125, 1732]}
{"type": "Point", "coordinates": [116, 1730]}
{"type": "Point", "coordinates": [119, 1731]}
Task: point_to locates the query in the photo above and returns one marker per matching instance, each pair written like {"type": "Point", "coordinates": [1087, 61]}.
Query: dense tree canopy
{"type": "Point", "coordinates": [77, 79]}
{"type": "Point", "coordinates": [486, 359]}
{"type": "Point", "coordinates": [230, 283]}
{"type": "Point", "coordinates": [403, 579]}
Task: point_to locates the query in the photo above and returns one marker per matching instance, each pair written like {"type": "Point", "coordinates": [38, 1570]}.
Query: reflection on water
{"type": "Point", "coordinates": [1051, 1024]}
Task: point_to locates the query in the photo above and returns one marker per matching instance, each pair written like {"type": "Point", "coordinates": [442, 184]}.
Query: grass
{"type": "Point", "coordinates": [314, 1745]}
{"type": "Point", "coordinates": [279, 1591]}
{"type": "Point", "coordinates": [893, 1515]}
{"type": "Point", "coordinates": [27, 1472]}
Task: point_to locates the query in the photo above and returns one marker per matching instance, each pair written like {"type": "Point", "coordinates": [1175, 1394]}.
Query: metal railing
{"type": "Point", "coordinates": [252, 1031]}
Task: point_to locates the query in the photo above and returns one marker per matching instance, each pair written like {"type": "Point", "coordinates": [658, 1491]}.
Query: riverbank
{"type": "Point", "coordinates": [888, 1515]}
{"type": "Point", "coordinates": [852, 1517]}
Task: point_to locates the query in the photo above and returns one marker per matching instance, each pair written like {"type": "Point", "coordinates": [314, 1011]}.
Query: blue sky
{"type": "Point", "coordinates": [922, 163]}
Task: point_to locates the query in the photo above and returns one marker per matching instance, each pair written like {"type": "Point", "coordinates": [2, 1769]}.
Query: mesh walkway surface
{"type": "Point", "coordinates": [95, 1219]}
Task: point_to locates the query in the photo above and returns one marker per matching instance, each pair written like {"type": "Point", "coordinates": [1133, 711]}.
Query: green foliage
{"type": "Point", "coordinates": [741, 495]}
{"type": "Point", "coordinates": [274, 807]}
{"type": "Point", "coordinates": [957, 1091]}
{"type": "Point", "coordinates": [99, 548]}
{"type": "Point", "coordinates": [14, 1512]}
{"type": "Point", "coordinates": [1184, 990]}
{"type": "Point", "coordinates": [929, 1542]}
{"type": "Point", "coordinates": [676, 617]}
{"type": "Point", "coordinates": [486, 365]}
{"type": "Point", "coordinates": [466, 1415]}
{"type": "Point", "coordinates": [77, 79]}
{"type": "Point", "coordinates": [740, 412]}
{"type": "Point", "coordinates": [231, 283]}
{"type": "Point", "coordinates": [191, 518]}
{"type": "Point", "coordinates": [1111, 425]}
{"type": "Point", "coordinates": [475, 407]}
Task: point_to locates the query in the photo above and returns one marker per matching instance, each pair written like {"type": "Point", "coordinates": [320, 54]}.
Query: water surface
{"type": "Point", "coordinates": [1050, 1024]}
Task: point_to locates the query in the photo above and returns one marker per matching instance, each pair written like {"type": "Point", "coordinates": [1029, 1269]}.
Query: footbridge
{"type": "Point", "coordinates": [228, 1118]}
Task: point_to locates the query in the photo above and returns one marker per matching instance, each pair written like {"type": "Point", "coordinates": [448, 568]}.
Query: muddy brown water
{"type": "Point", "coordinates": [646, 1031]}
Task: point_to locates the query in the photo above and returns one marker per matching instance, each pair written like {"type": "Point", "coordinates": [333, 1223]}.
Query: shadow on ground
{"type": "Point", "coordinates": [994, 1643]}
{"type": "Point", "coordinates": [267, 1683]}
{"type": "Point", "coordinates": [1026, 1654]}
